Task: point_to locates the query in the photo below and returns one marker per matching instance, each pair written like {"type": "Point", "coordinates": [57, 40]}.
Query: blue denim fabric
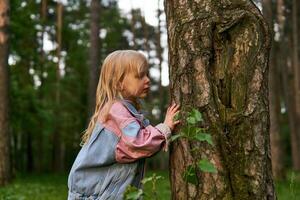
{"type": "Point", "coordinates": [95, 174]}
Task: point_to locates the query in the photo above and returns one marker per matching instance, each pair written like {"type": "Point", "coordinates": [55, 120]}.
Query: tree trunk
{"type": "Point", "coordinates": [295, 135]}
{"type": "Point", "coordinates": [218, 53]}
{"type": "Point", "coordinates": [40, 141]}
{"type": "Point", "coordinates": [94, 55]}
{"type": "Point", "coordinates": [159, 52]}
{"type": "Point", "coordinates": [5, 173]}
{"type": "Point", "coordinates": [133, 31]}
{"type": "Point", "coordinates": [274, 98]}
{"type": "Point", "coordinates": [58, 143]}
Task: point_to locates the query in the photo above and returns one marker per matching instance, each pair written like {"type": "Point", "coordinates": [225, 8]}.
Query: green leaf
{"type": "Point", "coordinates": [191, 120]}
{"type": "Point", "coordinates": [175, 137]}
{"type": "Point", "coordinates": [189, 175]}
{"type": "Point", "coordinates": [185, 130]}
{"type": "Point", "coordinates": [194, 130]}
{"type": "Point", "coordinates": [206, 166]}
{"type": "Point", "coordinates": [196, 115]}
{"type": "Point", "coordinates": [148, 179]}
{"type": "Point", "coordinates": [204, 137]}
{"type": "Point", "coordinates": [132, 193]}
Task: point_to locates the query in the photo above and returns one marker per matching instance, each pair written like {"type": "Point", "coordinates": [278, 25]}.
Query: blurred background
{"type": "Point", "coordinates": [56, 50]}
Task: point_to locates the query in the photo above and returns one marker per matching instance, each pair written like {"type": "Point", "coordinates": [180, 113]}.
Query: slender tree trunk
{"type": "Point", "coordinates": [40, 143]}
{"type": "Point", "coordinates": [58, 143]}
{"type": "Point", "coordinates": [295, 136]}
{"type": "Point", "coordinates": [133, 31]}
{"type": "Point", "coordinates": [5, 173]}
{"type": "Point", "coordinates": [94, 54]}
{"type": "Point", "coordinates": [218, 53]}
{"type": "Point", "coordinates": [274, 97]}
{"type": "Point", "coordinates": [159, 52]}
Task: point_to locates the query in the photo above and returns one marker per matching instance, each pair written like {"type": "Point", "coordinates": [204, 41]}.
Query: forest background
{"type": "Point", "coordinates": [55, 52]}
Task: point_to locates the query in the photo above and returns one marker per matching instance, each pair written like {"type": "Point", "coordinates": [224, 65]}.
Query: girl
{"type": "Point", "coordinates": [118, 137]}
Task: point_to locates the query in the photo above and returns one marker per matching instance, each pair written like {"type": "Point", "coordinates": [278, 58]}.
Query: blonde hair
{"type": "Point", "coordinates": [114, 68]}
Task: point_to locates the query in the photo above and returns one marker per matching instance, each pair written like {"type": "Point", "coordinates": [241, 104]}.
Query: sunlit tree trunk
{"type": "Point", "coordinates": [94, 54]}
{"type": "Point", "coordinates": [218, 53]}
{"type": "Point", "coordinates": [274, 97]}
{"type": "Point", "coordinates": [5, 172]}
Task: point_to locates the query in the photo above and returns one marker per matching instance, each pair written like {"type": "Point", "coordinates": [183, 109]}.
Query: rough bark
{"type": "Point", "coordinates": [5, 173]}
{"type": "Point", "coordinates": [218, 57]}
{"type": "Point", "coordinates": [94, 54]}
{"type": "Point", "coordinates": [274, 97]}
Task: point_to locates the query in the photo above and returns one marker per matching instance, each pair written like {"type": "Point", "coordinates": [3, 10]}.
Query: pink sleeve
{"type": "Point", "coordinates": [136, 141]}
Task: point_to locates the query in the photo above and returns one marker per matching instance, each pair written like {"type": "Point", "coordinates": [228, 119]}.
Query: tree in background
{"type": "Point", "coordinates": [274, 96]}
{"type": "Point", "coordinates": [49, 48]}
{"type": "Point", "coordinates": [4, 98]}
{"type": "Point", "coordinates": [94, 54]}
{"type": "Point", "coordinates": [218, 52]}
{"type": "Point", "coordinates": [295, 134]}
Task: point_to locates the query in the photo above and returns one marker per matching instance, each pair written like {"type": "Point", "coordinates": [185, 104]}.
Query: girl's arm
{"type": "Point", "coordinates": [137, 141]}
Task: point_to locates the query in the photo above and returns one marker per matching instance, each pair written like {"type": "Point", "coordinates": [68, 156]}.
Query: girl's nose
{"type": "Point", "coordinates": [147, 80]}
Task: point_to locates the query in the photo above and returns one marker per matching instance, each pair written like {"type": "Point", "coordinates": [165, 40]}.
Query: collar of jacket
{"type": "Point", "coordinates": [132, 109]}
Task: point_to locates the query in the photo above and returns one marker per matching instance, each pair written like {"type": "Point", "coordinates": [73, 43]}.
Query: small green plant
{"type": "Point", "coordinates": [133, 193]}
{"type": "Point", "coordinates": [292, 186]}
{"type": "Point", "coordinates": [192, 132]}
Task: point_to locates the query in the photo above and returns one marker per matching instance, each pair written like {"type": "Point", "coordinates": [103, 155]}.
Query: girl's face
{"type": "Point", "coordinates": [135, 85]}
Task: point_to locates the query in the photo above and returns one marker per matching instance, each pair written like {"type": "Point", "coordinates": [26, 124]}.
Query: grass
{"type": "Point", "coordinates": [54, 187]}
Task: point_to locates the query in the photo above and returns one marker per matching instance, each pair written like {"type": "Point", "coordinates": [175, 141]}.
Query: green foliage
{"type": "Point", "coordinates": [204, 137]}
{"type": "Point", "coordinates": [133, 193]}
{"type": "Point", "coordinates": [190, 176]}
{"type": "Point", "coordinates": [54, 187]}
{"type": "Point", "coordinates": [206, 166]}
{"type": "Point", "coordinates": [192, 132]}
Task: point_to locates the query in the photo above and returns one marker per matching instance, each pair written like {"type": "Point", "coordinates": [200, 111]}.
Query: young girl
{"type": "Point", "coordinates": [118, 137]}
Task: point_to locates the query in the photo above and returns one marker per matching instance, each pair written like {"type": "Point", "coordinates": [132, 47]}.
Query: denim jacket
{"type": "Point", "coordinates": [114, 156]}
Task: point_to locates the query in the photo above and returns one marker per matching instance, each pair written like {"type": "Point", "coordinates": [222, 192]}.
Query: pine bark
{"type": "Point", "coordinates": [274, 97]}
{"type": "Point", "coordinates": [218, 57]}
{"type": "Point", "coordinates": [94, 54]}
{"type": "Point", "coordinates": [5, 173]}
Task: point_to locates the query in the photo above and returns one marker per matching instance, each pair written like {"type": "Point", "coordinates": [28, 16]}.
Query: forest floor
{"type": "Point", "coordinates": [54, 187]}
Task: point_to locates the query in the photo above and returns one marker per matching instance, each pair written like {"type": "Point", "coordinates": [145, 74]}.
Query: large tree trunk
{"type": "Point", "coordinates": [274, 97]}
{"type": "Point", "coordinates": [4, 98]}
{"type": "Point", "coordinates": [218, 53]}
{"type": "Point", "coordinates": [94, 55]}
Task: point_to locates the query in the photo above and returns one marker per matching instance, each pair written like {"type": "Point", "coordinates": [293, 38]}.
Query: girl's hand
{"type": "Point", "coordinates": [172, 111]}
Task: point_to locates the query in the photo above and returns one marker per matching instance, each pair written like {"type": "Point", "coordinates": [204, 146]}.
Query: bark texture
{"type": "Point", "coordinates": [4, 98]}
{"type": "Point", "coordinates": [218, 54]}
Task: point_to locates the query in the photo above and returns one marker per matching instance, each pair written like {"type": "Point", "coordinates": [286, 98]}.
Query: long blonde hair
{"type": "Point", "coordinates": [114, 68]}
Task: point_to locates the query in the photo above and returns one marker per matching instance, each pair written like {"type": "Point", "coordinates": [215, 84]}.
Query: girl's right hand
{"type": "Point", "coordinates": [172, 111]}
